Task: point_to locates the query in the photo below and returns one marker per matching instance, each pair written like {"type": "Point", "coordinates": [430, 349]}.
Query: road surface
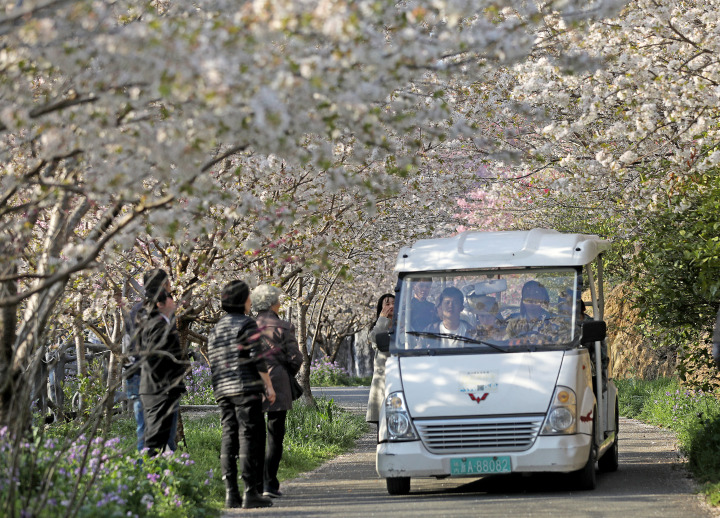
{"type": "Point", "coordinates": [650, 482]}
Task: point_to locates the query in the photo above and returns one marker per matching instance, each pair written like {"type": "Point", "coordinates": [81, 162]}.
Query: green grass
{"type": "Point", "coordinates": [350, 381]}
{"type": "Point", "coordinates": [324, 373]}
{"type": "Point", "coordinates": [312, 437]}
{"type": "Point", "coordinates": [693, 415]}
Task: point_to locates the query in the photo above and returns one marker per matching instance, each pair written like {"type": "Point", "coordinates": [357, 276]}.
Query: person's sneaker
{"type": "Point", "coordinates": [254, 500]}
{"type": "Point", "coordinates": [272, 493]}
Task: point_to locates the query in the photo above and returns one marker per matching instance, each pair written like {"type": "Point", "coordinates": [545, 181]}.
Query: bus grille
{"type": "Point", "coordinates": [479, 435]}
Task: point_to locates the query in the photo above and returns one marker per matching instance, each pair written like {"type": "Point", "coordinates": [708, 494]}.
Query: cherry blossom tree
{"type": "Point", "coordinates": [115, 111]}
{"type": "Point", "coordinates": [634, 124]}
{"type": "Point", "coordinates": [624, 143]}
{"type": "Point", "coordinates": [279, 140]}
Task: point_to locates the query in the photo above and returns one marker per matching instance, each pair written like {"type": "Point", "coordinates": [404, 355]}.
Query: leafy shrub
{"type": "Point", "coordinates": [677, 287]}
{"type": "Point", "coordinates": [91, 387]}
{"type": "Point", "coordinates": [324, 373]}
{"type": "Point", "coordinates": [95, 477]}
{"type": "Point", "coordinates": [694, 415]}
{"type": "Point", "coordinates": [198, 383]}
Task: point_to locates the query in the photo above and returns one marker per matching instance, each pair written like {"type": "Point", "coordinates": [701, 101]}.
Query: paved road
{"type": "Point", "coordinates": [351, 398]}
{"type": "Point", "coordinates": [650, 483]}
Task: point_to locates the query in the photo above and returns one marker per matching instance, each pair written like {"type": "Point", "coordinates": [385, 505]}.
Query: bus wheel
{"type": "Point", "coordinates": [609, 462]}
{"type": "Point", "coordinates": [586, 478]}
{"type": "Point", "coordinates": [398, 485]}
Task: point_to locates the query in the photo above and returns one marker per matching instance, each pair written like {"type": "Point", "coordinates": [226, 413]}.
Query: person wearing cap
{"type": "Point", "coordinates": [488, 321]}
{"type": "Point", "coordinates": [163, 367]}
{"type": "Point", "coordinates": [239, 377]}
{"type": "Point", "coordinates": [284, 359]}
{"type": "Point", "coordinates": [535, 324]}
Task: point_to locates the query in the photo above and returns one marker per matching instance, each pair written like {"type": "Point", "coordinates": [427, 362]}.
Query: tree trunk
{"type": "Point", "coordinates": [79, 354]}
{"type": "Point", "coordinates": [303, 307]}
{"type": "Point", "coordinates": [114, 380]}
{"type": "Point", "coordinates": [8, 323]}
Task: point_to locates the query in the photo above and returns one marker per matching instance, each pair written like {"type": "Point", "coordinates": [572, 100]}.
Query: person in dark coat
{"type": "Point", "coordinates": [284, 359]}
{"type": "Point", "coordinates": [153, 281]}
{"type": "Point", "coordinates": [163, 367]}
{"type": "Point", "coordinates": [422, 311]}
{"type": "Point", "coordinates": [239, 376]}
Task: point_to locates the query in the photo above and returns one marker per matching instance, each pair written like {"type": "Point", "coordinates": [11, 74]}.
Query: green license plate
{"type": "Point", "coordinates": [480, 465]}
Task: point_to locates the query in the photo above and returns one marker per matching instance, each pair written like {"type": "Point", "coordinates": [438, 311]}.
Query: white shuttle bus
{"type": "Point", "coordinates": [491, 360]}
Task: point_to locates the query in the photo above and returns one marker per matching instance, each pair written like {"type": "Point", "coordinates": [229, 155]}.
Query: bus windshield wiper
{"type": "Point", "coordinates": [460, 338]}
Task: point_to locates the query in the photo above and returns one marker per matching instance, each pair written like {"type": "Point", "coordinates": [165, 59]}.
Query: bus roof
{"type": "Point", "coordinates": [503, 249]}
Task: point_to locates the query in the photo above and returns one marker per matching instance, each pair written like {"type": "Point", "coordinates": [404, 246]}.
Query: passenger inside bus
{"type": "Point", "coordinates": [450, 304]}
{"type": "Point", "coordinates": [422, 311]}
{"type": "Point", "coordinates": [488, 321]}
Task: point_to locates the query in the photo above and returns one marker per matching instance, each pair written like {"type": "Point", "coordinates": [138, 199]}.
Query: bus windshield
{"type": "Point", "coordinates": [498, 311]}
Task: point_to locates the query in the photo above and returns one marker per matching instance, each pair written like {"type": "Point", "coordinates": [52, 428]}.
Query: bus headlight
{"type": "Point", "coordinates": [561, 418]}
{"type": "Point", "coordinates": [399, 426]}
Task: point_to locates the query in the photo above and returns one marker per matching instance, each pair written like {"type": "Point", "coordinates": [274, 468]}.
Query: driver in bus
{"type": "Point", "coordinates": [535, 324]}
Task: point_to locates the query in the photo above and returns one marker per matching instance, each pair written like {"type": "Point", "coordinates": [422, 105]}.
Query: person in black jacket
{"type": "Point", "coordinates": [163, 368]}
{"type": "Point", "coordinates": [239, 378]}
{"type": "Point", "coordinates": [153, 281]}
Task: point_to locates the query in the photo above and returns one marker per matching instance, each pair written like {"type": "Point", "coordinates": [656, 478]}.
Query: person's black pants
{"type": "Point", "coordinates": [273, 453]}
{"type": "Point", "coordinates": [159, 413]}
{"type": "Point", "coordinates": [243, 436]}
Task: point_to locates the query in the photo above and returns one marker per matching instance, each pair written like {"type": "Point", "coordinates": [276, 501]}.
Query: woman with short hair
{"type": "Point", "coordinates": [284, 359]}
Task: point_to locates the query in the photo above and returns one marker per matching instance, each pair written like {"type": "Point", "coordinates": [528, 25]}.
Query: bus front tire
{"type": "Point", "coordinates": [586, 478]}
{"type": "Point", "coordinates": [398, 485]}
{"type": "Point", "coordinates": [609, 462]}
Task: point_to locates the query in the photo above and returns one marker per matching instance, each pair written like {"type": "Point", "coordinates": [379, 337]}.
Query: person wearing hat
{"type": "Point", "coordinates": [488, 321]}
{"type": "Point", "coordinates": [535, 324]}
{"type": "Point", "coordinates": [163, 367]}
{"type": "Point", "coordinates": [239, 377]}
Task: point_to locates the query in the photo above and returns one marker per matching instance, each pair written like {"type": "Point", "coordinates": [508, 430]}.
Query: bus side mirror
{"type": "Point", "coordinates": [382, 340]}
{"type": "Point", "coordinates": [593, 331]}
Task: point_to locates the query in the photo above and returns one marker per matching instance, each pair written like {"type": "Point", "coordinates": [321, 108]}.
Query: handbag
{"type": "Point", "coordinates": [296, 389]}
